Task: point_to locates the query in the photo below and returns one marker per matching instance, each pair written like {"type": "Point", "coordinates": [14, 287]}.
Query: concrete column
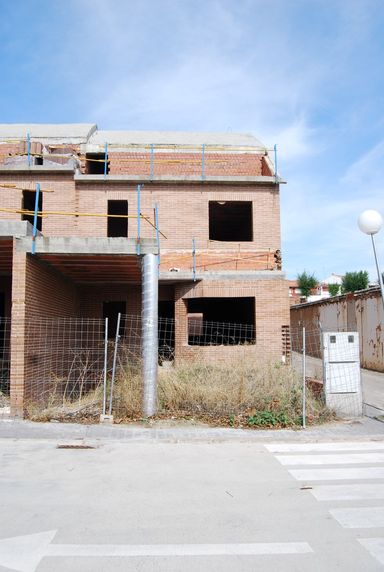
{"type": "Point", "coordinates": [149, 336]}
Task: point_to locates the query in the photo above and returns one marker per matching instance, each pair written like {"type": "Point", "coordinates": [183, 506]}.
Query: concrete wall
{"type": "Point", "coordinates": [362, 312]}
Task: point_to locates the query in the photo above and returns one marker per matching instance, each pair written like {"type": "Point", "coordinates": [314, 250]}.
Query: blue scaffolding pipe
{"type": "Point", "coordinates": [138, 240]}
{"type": "Point", "coordinates": [194, 258]}
{"type": "Point", "coordinates": [203, 162]}
{"type": "Point", "coordinates": [34, 232]}
{"type": "Point", "coordinates": [275, 151]}
{"type": "Point", "coordinates": [152, 161]}
{"type": "Point", "coordinates": [105, 160]}
{"type": "Point", "coordinates": [157, 232]}
{"type": "Point", "coordinates": [29, 148]}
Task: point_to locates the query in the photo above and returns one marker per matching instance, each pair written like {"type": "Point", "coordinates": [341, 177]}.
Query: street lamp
{"type": "Point", "coordinates": [370, 222]}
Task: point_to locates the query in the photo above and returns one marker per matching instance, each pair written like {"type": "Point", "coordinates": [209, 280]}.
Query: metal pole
{"type": "Point", "coordinates": [378, 271]}
{"type": "Point", "coordinates": [304, 384]}
{"type": "Point", "coordinates": [157, 232]}
{"type": "Point", "coordinates": [194, 258]}
{"type": "Point", "coordinates": [149, 333]}
{"type": "Point", "coordinates": [152, 161]}
{"type": "Point", "coordinates": [138, 245]}
{"type": "Point", "coordinates": [34, 231]}
{"type": "Point", "coordinates": [275, 151]}
{"type": "Point", "coordinates": [117, 337]}
{"type": "Point", "coordinates": [29, 148]}
{"type": "Point", "coordinates": [105, 366]}
{"type": "Point", "coordinates": [105, 160]}
{"type": "Point", "coordinates": [203, 162]}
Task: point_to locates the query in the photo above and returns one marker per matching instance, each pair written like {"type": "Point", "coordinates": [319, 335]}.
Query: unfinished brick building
{"type": "Point", "coordinates": [205, 205]}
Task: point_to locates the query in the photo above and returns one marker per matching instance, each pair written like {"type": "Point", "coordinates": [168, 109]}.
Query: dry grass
{"type": "Point", "coordinates": [233, 392]}
{"type": "Point", "coordinates": [236, 393]}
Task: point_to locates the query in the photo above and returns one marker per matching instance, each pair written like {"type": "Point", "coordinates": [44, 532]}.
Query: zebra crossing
{"type": "Point", "coordinates": [343, 472]}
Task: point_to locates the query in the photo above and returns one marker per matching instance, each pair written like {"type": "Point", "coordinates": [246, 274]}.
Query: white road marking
{"type": "Point", "coordinates": [337, 474]}
{"type": "Point", "coordinates": [313, 447]}
{"type": "Point", "coordinates": [336, 459]}
{"type": "Point", "coordinates": [348, 492]}
{"type": "Point", "coordinates": [179, 549]}
{"type": "Point", "coordinates": [363, 517]}
{"type": "Point", "coordinates": [375, 546]}
{"type": "Point", "coordinates": [24, 553]}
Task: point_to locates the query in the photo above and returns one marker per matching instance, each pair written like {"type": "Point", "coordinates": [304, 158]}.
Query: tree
{"type": "Point", "coordinates": [333, 289]}
{"type": "Point", "coordinates": [306, 283]}
{"type": "Point", "coordinates": [353, 281]}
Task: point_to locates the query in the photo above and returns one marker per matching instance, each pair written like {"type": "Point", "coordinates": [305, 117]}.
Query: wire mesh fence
{"type": "Point", "coordinates": [79, 368]}
{"type": "Point", "coordinates": [329, 363]}
{"type": "Point", "coordinates": [5, 360]}
{"type": "Point", "coordinates": [63, 365]}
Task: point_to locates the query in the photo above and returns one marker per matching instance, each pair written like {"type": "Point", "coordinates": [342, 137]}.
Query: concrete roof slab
{"type": "Point", "coordinates": [48, 132]}
{"type": "Point", "coordinates": [174, 138]}
{"type": "Point", "coordinates": [77, 245]}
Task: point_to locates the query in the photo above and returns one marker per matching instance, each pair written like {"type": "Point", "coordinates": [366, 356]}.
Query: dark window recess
{"type": "Point", "coordinates": [221, 321]}
{"type": "Point", "coordinates": [230, 221]}
{"type": "Point", "coordinates": [166, 331]}
{"type": "Point", "coordinates": [2, 305]}
{"type": "Point", "coordinates": [28, 204]}
{"type": "Point", "coordinates": [95, 163]}
{"type": "Point", "coordinates": [117, 226]}
{"type": "Point", "coordinates": [38, 160]}
{"type": "Point", "coordinates": [111, 311]}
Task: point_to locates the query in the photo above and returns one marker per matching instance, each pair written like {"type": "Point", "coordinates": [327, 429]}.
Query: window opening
{"type": "Point", "coordinates": [221, 321]}
{"type": "Point", "coordinates": [111, 311]}
{"type": "Point", "coordinates": [117, 226]}
{"type": "Point", "coordinates": [95, 163]}
{"type": "Point", "coordinates": [28, 204]}
{"type": "Point", "coordinates": [230, 221]}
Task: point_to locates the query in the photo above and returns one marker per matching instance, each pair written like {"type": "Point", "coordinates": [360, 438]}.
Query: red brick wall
{"type": "Point", "coordinates": [92, 298]}
{"type": "Point", "coordinates": [186, 163]}
{"type": "Point", "coordinates": [271, 313]}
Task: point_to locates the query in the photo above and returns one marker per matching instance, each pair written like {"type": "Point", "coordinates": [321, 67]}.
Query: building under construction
{"type": "Point", "coordinates": [180, 226]}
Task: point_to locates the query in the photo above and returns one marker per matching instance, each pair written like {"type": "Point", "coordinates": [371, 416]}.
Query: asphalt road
{"type": "Point", "coordinates": [280, 505]}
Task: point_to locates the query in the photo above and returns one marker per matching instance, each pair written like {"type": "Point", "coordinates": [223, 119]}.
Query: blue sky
{"type": "Point", "coordinates": [305, 74]}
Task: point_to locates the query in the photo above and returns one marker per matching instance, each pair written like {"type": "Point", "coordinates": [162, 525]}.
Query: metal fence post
{"type": "Point", "coordinates": [304, 380]}
{"type": "Point", "coordinates": [157, 233]}
{"type": "Point", "coordinates": [105, 160]}
{"type": "Point", "coordinates": [29, 148]}
{"type": "Point", "coordinates": [105, 366]}
{"type": "Point", "coordinates": [203, 162]}
{"type": "Point", "coordinates": [138, 240]}
{"type": "Point", "coordinates": [34, 231]}
{"type": "Point", "coordinates": [152, 162]}
{"type": "Point", "coordinates": [275, 153]}
{"type": "Point", "coordinates": [117, 337]}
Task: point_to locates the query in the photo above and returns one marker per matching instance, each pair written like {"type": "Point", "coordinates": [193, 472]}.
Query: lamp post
{"type": "Point", "coordinates": [370, 222]}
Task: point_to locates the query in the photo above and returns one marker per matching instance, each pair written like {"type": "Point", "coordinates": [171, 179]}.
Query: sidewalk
{"type": "Point", "coordinates": [166, 432]}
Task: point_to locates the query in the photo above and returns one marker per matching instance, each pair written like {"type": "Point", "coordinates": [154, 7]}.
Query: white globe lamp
{"type": "Point", "coordinates": [370, 222]}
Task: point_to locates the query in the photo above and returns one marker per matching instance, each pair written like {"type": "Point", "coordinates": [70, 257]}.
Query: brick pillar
{"type": "Point", "coordinates": [18, 331]}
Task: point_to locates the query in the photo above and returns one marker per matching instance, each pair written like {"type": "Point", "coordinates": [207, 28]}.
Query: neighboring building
{"type": "Point", "coordinates": [217, 200]}
{"type": "Point", "coordinates": [352, 312]}
{"type": "Point", "coordinates": [321, 291]}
